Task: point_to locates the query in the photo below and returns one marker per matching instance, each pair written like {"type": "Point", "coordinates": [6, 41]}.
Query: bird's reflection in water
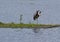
{"type": "Point", "coordinates": [36, 30]}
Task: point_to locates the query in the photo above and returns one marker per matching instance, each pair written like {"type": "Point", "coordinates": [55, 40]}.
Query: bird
{"type": "Point", "coordinates": [37, 14]}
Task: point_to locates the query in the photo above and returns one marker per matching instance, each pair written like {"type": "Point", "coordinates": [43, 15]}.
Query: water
{"type": "Point", "coordinates": [27, 35]}
{"type": "Point", "coordinates": [10, 11]}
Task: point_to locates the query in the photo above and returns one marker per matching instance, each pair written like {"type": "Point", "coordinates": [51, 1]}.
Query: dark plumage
{"type": "Point", "coordinates": [36, 15]}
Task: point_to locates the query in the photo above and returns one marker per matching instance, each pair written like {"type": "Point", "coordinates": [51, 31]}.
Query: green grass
{"type": "Point", "coordinates": [10, 25]}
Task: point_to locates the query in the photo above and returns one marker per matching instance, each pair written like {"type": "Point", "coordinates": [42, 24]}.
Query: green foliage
{"type": "Point", "coordinates": [13, 25]}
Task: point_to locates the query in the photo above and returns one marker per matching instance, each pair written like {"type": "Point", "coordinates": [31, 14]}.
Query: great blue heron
{"type": "Point", "coordinates": [38, 13]}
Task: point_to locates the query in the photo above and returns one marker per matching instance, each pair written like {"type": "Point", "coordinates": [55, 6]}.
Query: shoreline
{"type": "Point", "coordinates": [29, 25]}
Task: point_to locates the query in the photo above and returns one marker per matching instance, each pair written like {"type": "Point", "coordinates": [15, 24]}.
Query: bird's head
{"type": "Point", "coordinates": [39, 12]}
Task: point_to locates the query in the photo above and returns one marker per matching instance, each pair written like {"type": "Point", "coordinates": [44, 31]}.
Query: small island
{"type": "Point", "coordinates": [22, 25]}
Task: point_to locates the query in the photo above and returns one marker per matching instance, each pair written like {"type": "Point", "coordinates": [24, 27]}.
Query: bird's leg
{"type": "Point", "coordinates": [37, 21]}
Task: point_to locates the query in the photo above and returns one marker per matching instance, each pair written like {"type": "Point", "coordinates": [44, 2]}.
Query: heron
{"type": "Point", "coordinates": [38, 13]}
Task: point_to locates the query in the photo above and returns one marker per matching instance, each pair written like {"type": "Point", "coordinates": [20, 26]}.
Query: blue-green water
{"type": "Point", "coordinates": [27, 35]}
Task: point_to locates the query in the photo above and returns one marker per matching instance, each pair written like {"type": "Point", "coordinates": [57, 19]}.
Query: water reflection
{"type": "Point", "coordinates": [29, 35]}
{"type": "Point", "coordinates": [36, 30]}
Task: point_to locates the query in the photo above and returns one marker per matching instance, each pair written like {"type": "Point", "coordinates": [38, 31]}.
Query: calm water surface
{"type": "Point", "coordinates": [28, 35]}
{"type": "Point", "coordinates": [10, 11]}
